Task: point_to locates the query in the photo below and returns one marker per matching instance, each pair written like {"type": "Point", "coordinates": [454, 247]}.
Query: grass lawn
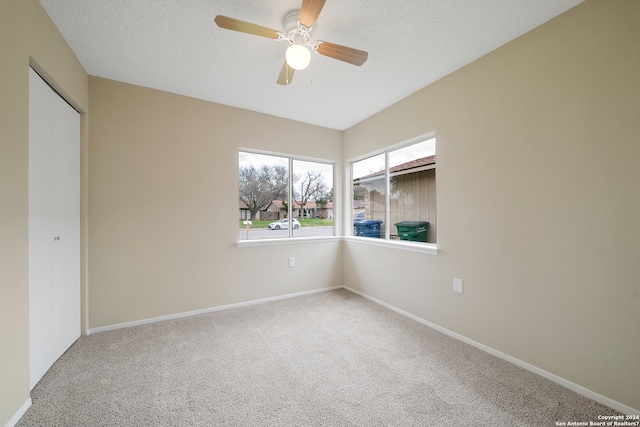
{"type": "Point", "coordinates": [308, 222]}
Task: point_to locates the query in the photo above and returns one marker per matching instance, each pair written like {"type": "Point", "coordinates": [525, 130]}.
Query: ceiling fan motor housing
{"type": "Point", "coordinates": [290, 21]}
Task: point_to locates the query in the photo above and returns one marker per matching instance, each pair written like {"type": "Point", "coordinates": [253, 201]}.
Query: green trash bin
{"type": "Point", "coordinates": [414, 231]}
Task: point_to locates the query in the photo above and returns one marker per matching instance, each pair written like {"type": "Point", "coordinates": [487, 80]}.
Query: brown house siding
{"type": "Point", "coordinates": [413, 198]}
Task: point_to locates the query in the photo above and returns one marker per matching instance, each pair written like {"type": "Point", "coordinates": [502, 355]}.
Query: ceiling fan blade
{"type": "Point", "coordinates": [343, 53]}
{"type": "Point", "coordinates": [286, 74]}
{"type": "Point", "coordinates": [309, 12]}
{"type": "Point", "coordinates": [245, 27]}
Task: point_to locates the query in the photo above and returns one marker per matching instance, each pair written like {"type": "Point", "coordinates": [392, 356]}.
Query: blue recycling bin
{"type": "Point", "coordinates": [368, 228]}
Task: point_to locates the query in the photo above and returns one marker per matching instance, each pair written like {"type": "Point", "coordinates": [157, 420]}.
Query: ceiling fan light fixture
{"type": "Point", "coordinates": [298, 56]}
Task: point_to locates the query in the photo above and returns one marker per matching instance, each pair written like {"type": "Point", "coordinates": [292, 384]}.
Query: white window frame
{"type": "Point", "coordinates": [293, 239]}
{"type": "Point", "coordinates": [420, 247]}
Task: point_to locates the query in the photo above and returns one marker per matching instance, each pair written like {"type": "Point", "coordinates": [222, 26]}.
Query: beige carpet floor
{"type": "Point", "coordinates": [327, 359]}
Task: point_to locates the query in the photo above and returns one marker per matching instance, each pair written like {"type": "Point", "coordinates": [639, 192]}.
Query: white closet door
{"type": "Point", "coordinates": [66, 222]}
{"type": "Point", "coordinates": [40, 227]}
{"type": "Point", "coordinates": [54, 226]}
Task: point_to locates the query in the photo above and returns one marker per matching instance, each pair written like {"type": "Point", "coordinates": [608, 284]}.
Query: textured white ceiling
{"type": "Point", "coordinates": [174, 45]}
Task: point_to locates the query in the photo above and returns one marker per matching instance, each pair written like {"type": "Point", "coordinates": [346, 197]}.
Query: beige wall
{"type": "Point", "coordinates": [538, 200]}
{"type": "Point", "coordinates": [163, 168]}
{"type": "Point", "coordinates": [26, 34]}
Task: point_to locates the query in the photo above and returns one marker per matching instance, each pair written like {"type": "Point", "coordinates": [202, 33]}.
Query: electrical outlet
{"type": "Point", "coordinates": [292, 261]}
{"type": "Point", "coordinates": [457, 285]}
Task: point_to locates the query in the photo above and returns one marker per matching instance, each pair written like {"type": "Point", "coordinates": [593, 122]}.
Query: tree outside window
{"type": "Point", "coordinates": [273, 189]}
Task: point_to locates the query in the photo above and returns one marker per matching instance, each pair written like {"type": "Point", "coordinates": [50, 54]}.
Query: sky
{"type": "Point", "coordinates": [300, 167]}
{"type": "Point", "coordinates": [360, 168]}
{"type": "Point", "coordinates": [396, 157]}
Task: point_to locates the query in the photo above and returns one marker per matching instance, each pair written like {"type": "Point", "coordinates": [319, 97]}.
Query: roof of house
{"type": "Point", "coordinates": [413, 164]}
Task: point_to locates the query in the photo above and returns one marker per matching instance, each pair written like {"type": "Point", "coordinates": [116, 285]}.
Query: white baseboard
{"type": "Point", "coordinates": [205, 310]}
{"type": "Point", "coordinates": [16, 417]}
{"type": "Point", "coordinates": [548, 375]}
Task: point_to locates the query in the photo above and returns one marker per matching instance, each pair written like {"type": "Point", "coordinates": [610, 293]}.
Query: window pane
{"type": "Point", "coordinates": [369, 196]}
{"type": "Point", "coordinates": [273, 207]}
{"type": "Point", "coordinates": [263, 182]}
{"type": "Point", "coordinates": [412, 152]}
{"type": "Point", "coordinates": [412, 195]}
{"type": "Point", "coordinates": [313, 198]}
{"type": "Point", "coordinates": [409, 208]}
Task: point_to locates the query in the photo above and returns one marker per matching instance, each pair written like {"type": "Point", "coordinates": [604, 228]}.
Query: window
{"type": "Point", "coordinates": [394, 194]}
{"type": "Point", "coordinates": [283, 197]}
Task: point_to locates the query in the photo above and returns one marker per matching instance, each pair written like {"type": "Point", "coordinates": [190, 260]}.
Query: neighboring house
{"type": "Point", "coordinates": [244, 211]}
{"type": "Point", "coordinates": [413, 194]}
{"type": "Point", "coordinates": [311, 210]}
{"type": "Point", "coordinates": [272, 212]}
{"type": "Point", "coordinates": [277, 210]}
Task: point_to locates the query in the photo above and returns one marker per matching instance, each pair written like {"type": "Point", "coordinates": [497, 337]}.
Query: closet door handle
{"type": "Point", "coordinates": [56, 238]}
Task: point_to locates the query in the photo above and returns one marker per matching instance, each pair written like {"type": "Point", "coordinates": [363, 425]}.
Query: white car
{"type": "Point", "coordinates": [283, 223]}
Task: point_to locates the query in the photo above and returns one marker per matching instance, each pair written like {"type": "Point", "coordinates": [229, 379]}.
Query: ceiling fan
{"type": "Point", "coordinates": [297, 55]}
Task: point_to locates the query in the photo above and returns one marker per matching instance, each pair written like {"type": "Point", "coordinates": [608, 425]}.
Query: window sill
{"type": "Point", "coordinates": [402, 245]}
{"type": "Point", "coordinates": [287, 241]}
{"type": "Point", "coordinates": [423, 248]}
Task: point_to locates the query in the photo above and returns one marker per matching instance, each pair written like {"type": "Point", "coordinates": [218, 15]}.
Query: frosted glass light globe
{"type": "Point", "coordinates": [298, 56]}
